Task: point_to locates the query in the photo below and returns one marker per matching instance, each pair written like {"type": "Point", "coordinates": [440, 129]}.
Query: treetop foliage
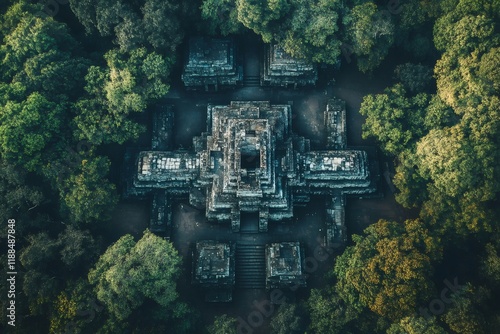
{"type": "Point", "coordinates": [389, 269]}
{"type": "Point", "coordinates": [154, 24]}
{"type": "Point", "coordinates": [319, 30]}
{"type": "Point", "coordinates": [129, 273]}
{"type": "Point", "coordinates": [440, 122]}
{"type": "Point", "coordinates": [447, 144]}
{"type": "Point", "coordinates": [129, 83]}
{"type": "Point", "coordinates": [89, 196]}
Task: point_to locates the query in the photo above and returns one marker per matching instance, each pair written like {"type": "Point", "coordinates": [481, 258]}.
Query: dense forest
{"type": "Point", "coordinates": [75, 74]}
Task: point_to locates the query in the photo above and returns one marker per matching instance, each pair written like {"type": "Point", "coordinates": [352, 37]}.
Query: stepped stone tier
{"type": "Point", "coordinates": [214, 269]}
{"type": "Point", "coordinates": [161, 213]}
{"type": "Point", "coordinates": [284, 265]}
{"type": "Point", "coordinates": [280, 69]}
{"type": "Point", "coordinates": [162, 132]}
{"type": "Point", "coordinates": [211, 63]}
{"type": "Point", "coordinates": [250, 161]}
{"type": "Point", "coordinates": [335, 125]}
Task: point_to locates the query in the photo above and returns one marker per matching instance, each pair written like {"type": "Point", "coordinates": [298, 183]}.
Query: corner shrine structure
{"type": "Point", "coordinates": [280, 69]}
{"type": "Point", "coordinates": [211, 63]}
{"type": "Point", "coordinates": [249, 163]}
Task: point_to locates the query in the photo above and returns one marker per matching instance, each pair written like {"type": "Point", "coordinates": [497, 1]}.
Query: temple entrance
{"type": "Point", "coordinates": [249, 222]}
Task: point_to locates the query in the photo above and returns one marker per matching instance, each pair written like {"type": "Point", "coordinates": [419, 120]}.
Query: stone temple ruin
{"type": "Point", "coordinates": [284, 263]}
{"type": "Point", "coordinates": [250, 163]}
{"type": "Point", "coordinates": [213, 269]}
{"type": "Point", "coordinates": [214, 63]}
{"type": "Point", "coordinates": [280, 69]}
{"type": "Point", "coordinates": [247, 170]}
{"type": "Point", "coordinates": [211, 63]}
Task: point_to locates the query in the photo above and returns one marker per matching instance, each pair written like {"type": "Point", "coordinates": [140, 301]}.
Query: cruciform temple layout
{"type": "Point", "coordinates": [249, 160]}
{"type": "Point", "coordinates": [247, 169]}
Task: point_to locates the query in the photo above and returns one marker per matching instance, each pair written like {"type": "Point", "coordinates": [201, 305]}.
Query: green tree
{"type": "Point", "coordinates": [39, 253]}
{"type": "Point", "coordinates": [76, 309]}
{"type": "Point", "coordinates": [38, 259]}
{"type": "Point", "coordinates": [490, 266]}
{"type": "Point", "coordinates": [223, 325]}
{"type": "Point", "coordinates": [414, 77]}
{"type": "Point", "coordinates": [389, 269]}
{"type": "Point", "coordinates": [41, 56]}
{"type": "Point", "coordinates": [49, 266]}
{"type": "Point", "coordinates": [78, 249]}
{"type": "Point", "coordinates": [439, 114]}
{"type": "Point", "coordinates": [456, 218]}
{"type": "Point", "coordinates": [16, 196]}
{"type": "Point", "coordinates": [411, 185]}
{"type": "Point", "coordinates": [465, 35]}
{"type": "Point", "coordinates": [221, 16]}
{"type": "Point", "coordinates": [396, 120]}
{"type": "Point", "coordinates": [31, 37]}
{"type": "Point", "coordinates": [162, 23]}
{"type": "Point", "coordinates": [41, 74]}
{"type": "Point", "coordinates": [88, 196]}
{"type": "Point", "coordinates": [13, 13]}
{"type": "Point", "coordinates": [307, 30]}
{"type": "Point", "coordinates": [288, 320]}
{"type": "Point", "coordinates": [464, 316]}
{"type": "Point", "coordinates": [130, 273]}
{"type": "Point", "coordinates": [262, 16]}
{"type": "Point", "coordinates": [329, 313]}
{"type": "Point", "coordinates": [27, 128]}
{"type": "Point", "coordinates": [153, 24]}
{"type": "Point", "coordinates": [416, 325]}
{"type": "Point", "coordinates": [452, 162]}
{"type": "Point", "coordinates": [130, 32]}
{"type": "Point", "coordinates": [128, 85]}
{"type": "Point", "coordinates": [459, 156]}
{"type": "Point", "coordinates": [313, 32]}
{"type": "Point", "coordinates": [369, 33]}
{"type": "Point", "coordinates": [488, 70]}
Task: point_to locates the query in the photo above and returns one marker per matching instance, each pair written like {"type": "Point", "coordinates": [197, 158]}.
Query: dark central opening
{"type": "Point", "coordinates": [286, 252]}
{"type": "Point", "coordinates": [250, 160]}
{"type": "Point", "coordinates": [249, 222]}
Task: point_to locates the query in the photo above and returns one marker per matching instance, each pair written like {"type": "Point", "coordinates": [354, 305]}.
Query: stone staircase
{"type": "Point", "coordinates": [250, 266]}
{"type": "Point", "coordinates": [251, 81]}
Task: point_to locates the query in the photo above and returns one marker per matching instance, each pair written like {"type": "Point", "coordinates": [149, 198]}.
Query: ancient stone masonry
{"type": "Point", "coordinates": [249, 162]}
{"type": "Point", "coordinates": [335, 125]}
{"type": "Point", "coordinates": [161, 140]}
{"type": "Point", "coordinates": [161, 134]}
{"type": "Point", "coordinates": [335, 221]}
{"type": "Point", "coordinates": [214, 269]}
{"type": "Point", "coordinates": [161, 214]}
{"type": "Point", "coordinates": [280, 69]}
{"type": "Point", "coordinates": [284, 265]}
{"type": "Point", "coordinates": [174, 171]}
{"type": "Point", "coordinates": [211, 63]}
{"type": "Point", "coordinates": [245, 173]}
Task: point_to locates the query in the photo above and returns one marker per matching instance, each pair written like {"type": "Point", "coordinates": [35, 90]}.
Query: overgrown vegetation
{"type": "Point", "coordinates": [440, 122]}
